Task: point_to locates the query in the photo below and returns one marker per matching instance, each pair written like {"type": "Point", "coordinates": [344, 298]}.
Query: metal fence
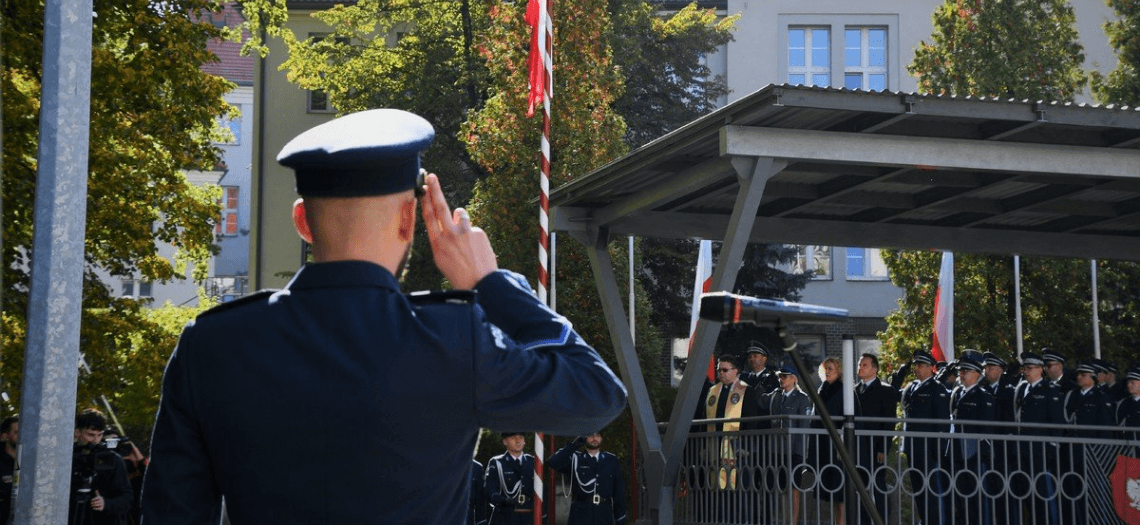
{"type": "Point", "coordinates": [1027, 473]}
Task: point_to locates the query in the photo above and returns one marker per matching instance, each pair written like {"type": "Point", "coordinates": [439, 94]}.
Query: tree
{"type": "Point", "coordinates": [1122, 85]}
{"type": "Point", "coordinates": [1022, 49]}
{"type": "Point", "coordinates": [1009, 49]}
{"type": "Point", "coordinates": [154, 113]}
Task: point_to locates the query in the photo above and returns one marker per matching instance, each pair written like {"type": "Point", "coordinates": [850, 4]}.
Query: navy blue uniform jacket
{"type": "Point", "coordinates": [591, 477]}
{"type": "Point", "coordinates": [339, 400]}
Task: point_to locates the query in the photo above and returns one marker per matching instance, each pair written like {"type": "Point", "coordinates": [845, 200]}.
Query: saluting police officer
{"type": "Point", "coordinates": [597, 487]}
{"type": "Point", "coordinates": [508, 484]}
{"type": "Point", "coordinates": [970, 402]}
{"type": "Point", "coordinates": [925, 398]}
{"type": "Point", "coordinates": [1039, 401]}
{"type": "Point", "coordinates": [393, 388]}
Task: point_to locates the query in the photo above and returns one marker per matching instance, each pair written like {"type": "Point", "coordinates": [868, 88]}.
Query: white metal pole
{"type": "Point", "coordinates": [1017, 302]}
{"type": "Point", "coordinates": [848, 375]}
{"type": "Point", "coordinates": [1095, 312]}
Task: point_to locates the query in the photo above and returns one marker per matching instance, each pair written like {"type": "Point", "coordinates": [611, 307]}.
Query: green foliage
{"type": "Point", "coordinates": [661, 59]}
{"type": "Point", "coordinates": [1021, 49]}
{"type": "Point", "coordinates": [1122, 85]}
{"type": "Point", "coordinates": [154, 113]}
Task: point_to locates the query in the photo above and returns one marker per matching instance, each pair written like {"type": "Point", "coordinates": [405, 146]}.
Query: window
{"type": "Point", "coordinates": [317, 100]}
{"type": "Point", "coordinates": [234, 126]}
{"type": "Point", "coordinates": [865, 58]}
{"type": "Point", "coordinates": [815, 259]}
{"type": "Point", "coordinates": [852, 50]}
{"type": "Point", "coordinates": [228, 224]}
{"type": "Point", "coordinates": [809, 61]}
{"type": "Point", "coordinates": [128, 288]}
{"type": "Point", "coordinates": [865, 264]}
{"type": "Point", "coordinates": [867, 345]}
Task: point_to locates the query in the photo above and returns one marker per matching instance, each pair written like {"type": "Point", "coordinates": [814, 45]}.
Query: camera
{"type": "Point", "coordinates": [121, 445]}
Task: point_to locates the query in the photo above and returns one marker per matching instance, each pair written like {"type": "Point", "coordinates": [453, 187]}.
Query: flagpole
{"type": "Point", "coordinates": [544, 27]}
{"type": "Point", "coordinates": [1017, 305]}
{"type": "Point", "coordinates": [632, 316]}
{"type": "Point", "coordinates": [1095, 313]}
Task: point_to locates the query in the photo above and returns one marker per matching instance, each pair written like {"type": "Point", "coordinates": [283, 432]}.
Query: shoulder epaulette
{"type": "Point", "coordinates": [442, 297]}
{"type": "Point", "coordinates": [239, 302]}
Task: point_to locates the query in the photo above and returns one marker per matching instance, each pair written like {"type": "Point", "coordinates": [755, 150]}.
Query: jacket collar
{"type": "Point", "coordinates": [343, 274]}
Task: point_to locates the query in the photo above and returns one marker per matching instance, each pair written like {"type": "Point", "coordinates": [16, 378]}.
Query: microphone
{"type": "Point", "coordinates": [724, 307]}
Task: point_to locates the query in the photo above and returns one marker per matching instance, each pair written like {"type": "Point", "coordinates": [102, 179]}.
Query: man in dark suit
{"type": "Point", "coordinates": [390, 390]}
{"type": "Point", "coordinates": [926, 398]}
{"type": "Point", "coordinates": [876, 400]}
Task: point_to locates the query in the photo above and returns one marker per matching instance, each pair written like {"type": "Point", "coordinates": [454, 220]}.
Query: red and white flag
{"type": "Point", "coordinates": [536, 17]}
{"type": "Point", "coordinates": [943, 348]}
{"type": "Point", "coordinates": [702, 284]}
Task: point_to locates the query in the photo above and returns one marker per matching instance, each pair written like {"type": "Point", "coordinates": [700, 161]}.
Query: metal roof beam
{"type": "Point", "coordinates": [831, 146]}
{"type": "Point", "coordinates": [680, 184]}
{"type": "Point", "coordinates": [906, 236]}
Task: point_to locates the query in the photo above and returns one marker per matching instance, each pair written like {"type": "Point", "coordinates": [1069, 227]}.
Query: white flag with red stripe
{"type": "Point", "coordinates": [943, 348]}
{"type": "Point", "coordinates": [702, 284]}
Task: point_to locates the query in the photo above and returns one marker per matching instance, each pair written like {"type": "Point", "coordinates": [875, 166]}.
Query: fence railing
{"type": "Point", "coordinates": [1008, 474]}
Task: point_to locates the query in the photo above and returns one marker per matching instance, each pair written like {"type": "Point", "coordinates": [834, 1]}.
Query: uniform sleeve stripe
{"type": "Point", "coordinates": [559, 341]}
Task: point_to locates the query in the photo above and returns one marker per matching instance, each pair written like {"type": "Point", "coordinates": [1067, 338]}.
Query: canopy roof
{"type": "Point", "coordinates": [885, 170]}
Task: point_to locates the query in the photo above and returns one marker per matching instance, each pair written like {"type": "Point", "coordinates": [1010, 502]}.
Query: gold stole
{"type": "Point", "coordinates": [725, 476]}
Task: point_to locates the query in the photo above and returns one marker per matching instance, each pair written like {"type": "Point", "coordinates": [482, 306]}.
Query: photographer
{"type": "Point", "coordinates": [100, 492]}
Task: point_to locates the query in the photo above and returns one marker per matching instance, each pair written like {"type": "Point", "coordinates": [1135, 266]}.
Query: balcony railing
{"type": "Point", "coordinates": [1061, 475]}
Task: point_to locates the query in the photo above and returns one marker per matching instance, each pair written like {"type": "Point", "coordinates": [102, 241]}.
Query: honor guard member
{"type": "Point", "coordinates": [925, 398]}
{"type": "Point", "coordinates": [508, 483]}
{"type": "Point", "coordinates": [760, 377]}
{"type": "Point", "coordinates": [1037, 400]}
{"type": "Point", "coordinates": [596, 484]}
{"type": "Point", "coordinates": [1128, 411]}
{"type": "Point", "coordinates": [875, 399]}
{"type": "Point", "coordinates": [1055, 370]}
{"type": "Point", "coordinates": [344, 353]}
{"type": "Point", "coordinates": [970, 402]}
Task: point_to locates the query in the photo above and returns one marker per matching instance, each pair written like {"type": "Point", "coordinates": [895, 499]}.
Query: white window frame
{"type": "Point", "coordinates": [808, 252]}
{"type": "Point", "coordinates": [874, 269]}
{"type": "Point", "coordinates": [810, 69]}
{"type": "Point", "coordinates": [864, 69]}
{"type": "Point", "coordinates": [839, 23]}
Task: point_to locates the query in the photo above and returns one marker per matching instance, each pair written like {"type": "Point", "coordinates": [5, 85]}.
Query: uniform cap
{"type": "Point", "coordinates": [1048, 354]}
{"type": "Point", "coordinates": [993, 359]}
{"type": "Point", "coordinates": [1032, 360]}
{"type": "Point", "coordinates": [755, 347]}
{"type": "Point", "coordinates": [505, 435]}
{"type": "Point", "coordinates": [1133, 373]}
{"type": "Point", "coordinates": [1098, 366]}
{"type": "Point", "coordinates": [971, 360]}
{"type": "Point", "coordinates": [788, 370]}
{"type": "Point", "coordinates": [374, 152]}
{"type": "Point", "coordinates": [1086, 368]}
{"type": "Point", "coordinates": [1109, 367]}
{"type": "Point", "coordinates": [923, 357]}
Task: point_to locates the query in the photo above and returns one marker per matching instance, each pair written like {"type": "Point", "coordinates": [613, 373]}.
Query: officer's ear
{"type": "Point", "coordinates": [301, 221]}
{"type": "Point", "coordinates": [407, 220]}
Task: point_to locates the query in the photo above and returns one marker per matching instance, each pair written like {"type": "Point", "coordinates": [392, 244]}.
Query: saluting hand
{"type": "Point", "coordinates": [461, 252]}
